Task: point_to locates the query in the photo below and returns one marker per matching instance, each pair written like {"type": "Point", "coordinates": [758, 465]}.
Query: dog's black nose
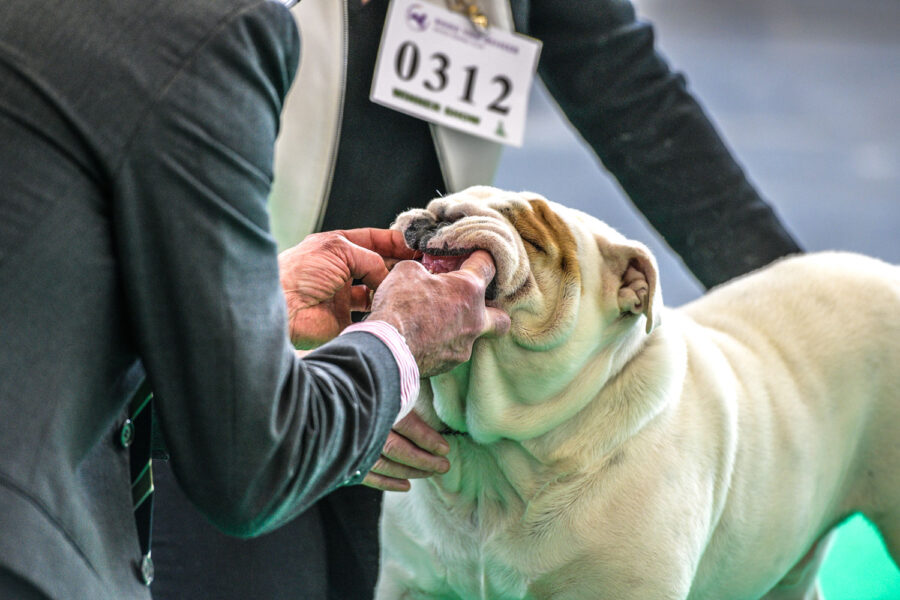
{"type": "Point", "coordinates": [415, 230]}
{"type": "Point", "coordinates": [420, 231]}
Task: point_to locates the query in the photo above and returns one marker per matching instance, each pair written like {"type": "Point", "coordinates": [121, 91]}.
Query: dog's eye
{"type": "Point", "coordinates": [534, 245]}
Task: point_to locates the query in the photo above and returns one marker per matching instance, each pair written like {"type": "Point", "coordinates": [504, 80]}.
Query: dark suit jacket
{"type": "Point", "coordinates": [135, 158]}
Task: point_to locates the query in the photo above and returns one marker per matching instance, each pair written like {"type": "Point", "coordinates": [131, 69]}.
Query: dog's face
{"type": "Point", "coordinates": [580, 297]}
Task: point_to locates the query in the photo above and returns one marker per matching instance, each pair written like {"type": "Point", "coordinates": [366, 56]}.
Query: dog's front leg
{"type": "Point", "coordinates": [408, 570]}
{"type": "Point", "coordinates": [802, 583]}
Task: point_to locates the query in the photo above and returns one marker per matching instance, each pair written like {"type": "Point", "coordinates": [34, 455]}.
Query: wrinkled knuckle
{"type": "Point", "coordinates": [334, 242]}
{"type": "Point", "coordinates": [391, 447]}
{"type": "Point", "coordinates": [406, 268]}
{"type": "Point", "coordinates": [403, 266]}
{"type": "Point", "coordinates": [470, 285]}
{"type": "Point", "coordinates": [380, 465]}
{"type": "Point", "coordinates": [403, 427]}
{"type": "Point", "coordinates": [322, 238]}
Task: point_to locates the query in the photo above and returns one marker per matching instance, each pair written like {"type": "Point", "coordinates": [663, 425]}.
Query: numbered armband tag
{"type": "Point", "coordinates": [434, 65]}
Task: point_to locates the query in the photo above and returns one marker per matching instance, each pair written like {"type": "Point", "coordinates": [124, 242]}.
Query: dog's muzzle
{"type": "Point", "coordinates": [420, 232]}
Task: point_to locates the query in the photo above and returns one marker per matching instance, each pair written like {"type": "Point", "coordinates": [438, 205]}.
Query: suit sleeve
{"type": "Point", "coordinates": [600, 64]}
{"type": "Point", "coordinates": [256, 434]}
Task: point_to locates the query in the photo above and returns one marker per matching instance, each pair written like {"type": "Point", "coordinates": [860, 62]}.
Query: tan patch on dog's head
{"type": "Point", "coordinates": [547, 238]}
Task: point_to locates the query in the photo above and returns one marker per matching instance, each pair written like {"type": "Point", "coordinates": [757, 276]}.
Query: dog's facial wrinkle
{"type": "Point", "coordinates": [449, 431]}
{"type": "Point", "coordinates": [534, 244]}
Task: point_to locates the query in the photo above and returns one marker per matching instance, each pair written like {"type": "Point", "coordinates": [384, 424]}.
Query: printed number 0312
{"type": "Point", "coordinates": [406, 65]}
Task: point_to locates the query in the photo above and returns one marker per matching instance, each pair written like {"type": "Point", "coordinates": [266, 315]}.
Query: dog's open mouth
{"type": "Point", "coordinates": [437, 263]}
{"type": "Point", "coordinates": [447, 261]}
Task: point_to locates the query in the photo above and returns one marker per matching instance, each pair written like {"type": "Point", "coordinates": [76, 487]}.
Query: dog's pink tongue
{"type": "Point", "coordinates": [443, 264]}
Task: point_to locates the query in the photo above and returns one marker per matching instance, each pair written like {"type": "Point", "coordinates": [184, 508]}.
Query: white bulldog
{"type": "Point", "coordinates": [610, 448]}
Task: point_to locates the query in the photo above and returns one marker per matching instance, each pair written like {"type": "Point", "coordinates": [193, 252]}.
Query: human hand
{"type": "Point", "coordinates": [440, 315]}
{"type": "Point", "coordinates": [413, 450]}
{"type": "Point", "coordinates": [317, 276]}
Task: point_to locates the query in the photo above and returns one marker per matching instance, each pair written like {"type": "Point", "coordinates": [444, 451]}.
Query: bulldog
{"type": "Point", "coordinates": [611, 448]}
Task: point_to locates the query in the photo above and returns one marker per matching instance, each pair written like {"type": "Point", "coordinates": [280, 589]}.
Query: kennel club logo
{"type": "Point", "coordinates": [416, 18]}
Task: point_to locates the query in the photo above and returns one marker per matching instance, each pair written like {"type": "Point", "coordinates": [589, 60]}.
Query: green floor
{"type": "Point", "coordinates": [858, 566]}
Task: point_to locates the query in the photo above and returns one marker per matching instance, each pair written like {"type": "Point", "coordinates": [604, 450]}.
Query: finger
{"type": "Point", "coordinates": [390, 262]}
{"type": "Point", "coordinates": [385, 484]}
{"type": "Point", "coordinates": [388, 243]}
{"type": "Point", "coordinates": [360, 298]}
{"type": "Point", "coordinates": [416, 430]}
{"type": "Point", "coordinates": [496, 324]}
{"type": "Point", "coordinates": [480, 264]}
{"type": "Point", "coordinates": [365, 265]}
{"type": "Point", "coordinates": [399, 449]}
{"type": "Point", "coordinates": [388, 468]}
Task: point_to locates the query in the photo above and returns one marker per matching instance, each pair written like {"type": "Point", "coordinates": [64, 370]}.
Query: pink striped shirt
{"type": "Point", "coordinates": [409, 371]}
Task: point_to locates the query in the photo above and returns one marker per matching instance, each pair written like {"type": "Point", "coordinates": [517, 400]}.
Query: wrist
{"type": "Point", "coordinates": [388, 333]}
{"type": "Point", "coordinates": [395, 320]}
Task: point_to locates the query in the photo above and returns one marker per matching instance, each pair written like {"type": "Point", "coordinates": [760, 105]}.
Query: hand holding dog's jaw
{"type": "Point", "coordinates": [440, 315]}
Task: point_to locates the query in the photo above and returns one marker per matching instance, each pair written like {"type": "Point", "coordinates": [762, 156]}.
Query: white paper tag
{"type": "Point", "coordinates": [433, 64]}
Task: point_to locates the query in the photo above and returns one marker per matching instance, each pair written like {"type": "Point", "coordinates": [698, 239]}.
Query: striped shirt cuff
{"type": "Point", "coordinates": [396, 343]}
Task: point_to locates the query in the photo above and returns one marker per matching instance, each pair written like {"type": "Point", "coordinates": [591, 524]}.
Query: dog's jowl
{"type": "Point", "coordinates": [609, 448]}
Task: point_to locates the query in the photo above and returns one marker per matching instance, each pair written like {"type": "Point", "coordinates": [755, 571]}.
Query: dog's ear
{"type": "Point", "coordinates": [637, 279]}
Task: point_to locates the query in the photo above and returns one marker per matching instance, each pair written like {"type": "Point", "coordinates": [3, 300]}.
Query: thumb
{"type": "Point", "coordinates": [481, 265]}
{"type": "Point", "coordinates": [496, 323]}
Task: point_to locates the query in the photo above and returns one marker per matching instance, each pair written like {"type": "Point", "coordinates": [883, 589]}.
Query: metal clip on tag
{"type": "Point", "coordinates": [470, 9]}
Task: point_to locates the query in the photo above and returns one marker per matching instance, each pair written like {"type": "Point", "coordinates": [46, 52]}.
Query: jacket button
{"type": "Point", "coordinates": [126, 433]}
{"type": "Point", "coordinates": [145, 569]}
{"type": "Point", "coordinates": [353, 478]}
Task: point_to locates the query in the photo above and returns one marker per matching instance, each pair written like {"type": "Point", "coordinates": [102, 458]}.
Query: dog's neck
{"type": "Point", "coordinates": [509, 392]}
{"type": "Point", "coordinates": [646, 384]}
{"type": "Point", "coordinates": [617, 396]}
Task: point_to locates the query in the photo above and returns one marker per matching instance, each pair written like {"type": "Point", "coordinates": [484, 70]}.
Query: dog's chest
{"type": "Point", "coordinates": [488, 521]}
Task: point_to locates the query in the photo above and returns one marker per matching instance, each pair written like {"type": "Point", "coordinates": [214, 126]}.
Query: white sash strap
{"type": "Point", "coordinates": [466, 159]}
{"type": "Point", "coordinates": [310, 128]}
